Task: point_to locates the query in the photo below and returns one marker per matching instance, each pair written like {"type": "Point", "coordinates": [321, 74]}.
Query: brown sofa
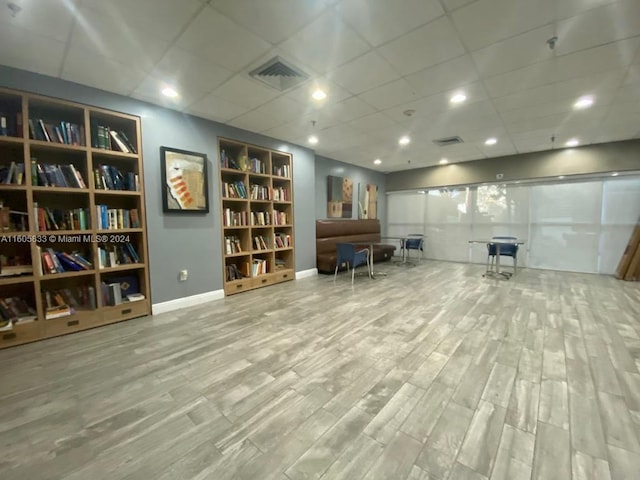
{"type": "Point", "coordinates": [332, 231]}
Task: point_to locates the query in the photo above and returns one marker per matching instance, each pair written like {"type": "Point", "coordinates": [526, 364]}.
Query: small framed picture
{"type": "Point", "coordinates": [184, 181]}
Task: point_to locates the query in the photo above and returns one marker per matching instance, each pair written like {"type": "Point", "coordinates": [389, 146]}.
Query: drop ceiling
{"type": "Point", "coordinates": [376, 60]}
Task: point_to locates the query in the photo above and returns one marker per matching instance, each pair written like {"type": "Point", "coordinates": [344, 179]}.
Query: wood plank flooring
{"type": "Point", "coordinates": [431, 372]}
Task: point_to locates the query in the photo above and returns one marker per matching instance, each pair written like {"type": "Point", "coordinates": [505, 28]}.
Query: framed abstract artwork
{"type": "Point", "coordinates": [367, 200]}
{"type": "Point", "coordinates": [184, 181]}
{"type": "Point", "coordinates": [339, 197]}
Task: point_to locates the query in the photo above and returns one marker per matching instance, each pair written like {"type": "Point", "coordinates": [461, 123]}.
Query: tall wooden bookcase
{"type": "Point", "coordinates": [72, 186]}
{"type": "Point", "coordinates": [256, 188]}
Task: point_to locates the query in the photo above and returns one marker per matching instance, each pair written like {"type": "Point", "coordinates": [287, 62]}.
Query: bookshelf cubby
{"type": "Point", "coordinates": [73, 241]}
{"type": "Point", "coordinates": [256, 188]}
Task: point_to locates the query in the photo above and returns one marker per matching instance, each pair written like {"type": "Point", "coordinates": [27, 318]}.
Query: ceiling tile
{"type": "Point", "coordinates": [187, 72]}
{"type": "Point", "coordinates": [276, 20]}
{"type": "Point", "coordinates": [210, 34]}
{"type": "Point", "coordinates": [375, 121]}
{"type": "Point", "coordinates": [599, 26]}
{"type": "Point", "coordinates": [633, 75]}
{"type": "Point", "coordinates": [53, 20]}
{"type": "Point", "coordinates": [150, 90]}
{"type": "Point", "coordinates": [516, 52]}
{"type": "Point", "coordinates": [444, 77]}
{"type": "Point", "coordinates": [379, 21]}
{"type": "Point", "coordinates": [109, 36]}
{"type": "Point", "coordinates": [30, 56]}
{"type": "Point", "coordinates": [242, 90]}
{"type": "Point", "coordinates": [431, 44]}
{"type": "Point", "coordinates": [364, 73]}
{"type": "Point", "coordinates": [326, 43]}
{"type": "Point", "coordinates": [88, 68]}
{"type": "Point", "coordinates": [281, 110]}
{"type": "Point", "coordinates": [451, 5]}
{"type": "Point", "coordinates": [581, 64]}
{"type": "Point", "coordinates": [478, 26]}
{"type": "Point", "coordinates": [339, 113]}
{"type": "Point", "coordinates": [394, 93]}
{"type": "Point", "coordinates": [255, 121]}
{"type": "Point", "coordinates": [302, 93]}
{"type": "Point", "coordinates": [162, 19]}
{"type": "Point", "coordinates": [217, 109]}
{"type": "Point", "coordinates": [569, 8]}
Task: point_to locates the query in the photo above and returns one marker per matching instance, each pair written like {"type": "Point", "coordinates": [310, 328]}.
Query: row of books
{"type": "Point", "coordinates": [259, 242]}
{"type": "Point", "coordinates": [62, 132]}
{"type": "Point", "coordinates": [234, 190]}
{"type": "Point", "coordinates": [280, 218]}
{"type": "Point", "coordinates": [50, 175]}
{"type": "Point", "coordinates": [232, 218]}
{"type": "Point", "coordinates": [117, 254]}
{"type": "Point", "coordinates": [51, 219]}
{"type": "Point", "coordinates": [80, 296]}
{"type": "Point", "coordinates": [14, 310]}
{"type": "Point", "coordinates": [110, 139]}
{"type": "Point", "coordinates": [281, 194]}
{"type": "Point", "coordinates": [258, 267]}
{"type": "Point", "coordinates": [232, 244]}
{"type": "Point", "coordinates": [260, 192]}
{"type": "Point", "coordinates": [282, 240]}
{"type": "Point", "coordinates": [10, 121]}
{"type": "Point", "coordinates": [116, 218]}
{"type": "Point", "coordinates": [118, 290]}
{"type": "Point", "coordinates": [282, 171]}
{"type": "Point", "coordinates": [260, 218]}
{"type": "Point", "coordinates": [12, 174]}
{"type": "Point", "coordinates": [244, 163]}
{"type": "Point", "coordinates": [54, 262]}
{"type": "Point", "coordinates": [108, 177]}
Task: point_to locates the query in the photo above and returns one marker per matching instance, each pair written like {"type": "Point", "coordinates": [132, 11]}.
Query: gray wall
{"type": "Point", "coordinates": [360, 176]}
{"type": "Point", "coordinates": [592, 159]}
{"type": "Point", "coordinates": [191, 242]}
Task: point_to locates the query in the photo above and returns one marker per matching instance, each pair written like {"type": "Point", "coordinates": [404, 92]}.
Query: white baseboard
{"type": "Point", "coordinates": [184, 302]}
{"type": "Point", "coordinates": [312, 272]}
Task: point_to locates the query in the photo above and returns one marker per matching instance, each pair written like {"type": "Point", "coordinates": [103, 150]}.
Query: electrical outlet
{"type": "Point", "coordinates": [183, 275]}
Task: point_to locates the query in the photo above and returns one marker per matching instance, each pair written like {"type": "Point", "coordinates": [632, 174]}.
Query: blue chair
{"type": "Point", "coordinates": [347, 253]}
{"type": "Point", "coordinates": [506, 250]}
{"type": "Point", "coordinates": [414, 241]}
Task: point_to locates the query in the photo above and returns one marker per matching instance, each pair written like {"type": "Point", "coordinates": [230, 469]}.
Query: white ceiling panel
{"type": "Point", "coordinates": [379, 21]}
{"type": "Point", "coordinates": [339, 113]}
{"type": "Point", "coordinates": [335, 93]}
{"type": "Point", "coordinates": [424, 47]}
{"type": "Point", "coordinates": [451, 5]}
{"type": "Point", "coordinates": [276, 20]}
{"type": "Point", "coordinates": [375, 121]}
{"type": "Point", "coordinates": [326, 43]}
{"type": "Point", "coordinates": [255, 121]}
{"type": "Point", "coordinates": [30, 56]}
{"type": "Point", "coordinates": [243, 90]}
{"type": "Point", "coordinates": [516, 52]}
{"type": "Point", "coordinates": [163, 19]}
{"type": "Point", "coordinates": [633, 75]}
{"type": "Point", "coordinates": [217, 109]}
{"type": "Point", "coordinates": [150, 90]}
{"type": "Point", "coordinates": [86, 67]}
{"type": "Point", "coordinates": [43, 19]}
{"type": "Point", "coordinates": [599, 26]}
{"type": "Point", "coordinates": [478, 26]}
{"type": "Point", "coordinates": [569, 8]}
{"type": "Point", "coordinates": [211, 35]}
{"type": "Point", "coordinates": [187, 72]}
{"type": "Point", "coordinates": [444, 77]}
{"type": "Point", "coordinates": [111, 36]}
{"type": "Point", "coordinates": [393, 93]}
{"type": "Point", "coordinates": [281, 110]}
{"type": "Point", "coordinates": [364, 73]}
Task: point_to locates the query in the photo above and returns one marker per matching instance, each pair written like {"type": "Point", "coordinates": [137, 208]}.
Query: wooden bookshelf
{"type": "Point", "coordinates": [71, 190]}
{"type": "Point", "coordinates": [256, 189]}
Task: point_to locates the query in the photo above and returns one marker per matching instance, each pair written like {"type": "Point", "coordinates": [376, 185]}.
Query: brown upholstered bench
{"type": "Point", "coordinates": [361, 232]}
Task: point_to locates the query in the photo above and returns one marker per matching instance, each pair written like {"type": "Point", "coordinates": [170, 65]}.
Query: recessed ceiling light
{"type": "Point", "coordinates": [491, 141]}
{"type": "Point", "coordinates": [458, 98]}
{"type": "Point", "coordinates": [169, 92]}
{"type": "Point", "coordinates": [614, 174]}
{"type": "Point", "coordinates": [583, 102]}
{"type": "Point", "coordinates": [572, 143]}
{"type": "Point", "coordinates": [560, 177]}
{"type": "Point", "coordinates": [444, 161]}
{"type": "Point", "coordinates": [404, 140]}
{"type": "Point", "coordinates": [377, 161]}
{"type": "Point", "coordinates": [319, 95]}
{"type": "Point", "coordinates": [312, 139]}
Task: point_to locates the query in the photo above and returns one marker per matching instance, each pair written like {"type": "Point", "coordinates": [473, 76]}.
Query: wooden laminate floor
{"type": "Point", "coordinates": [432, 372]}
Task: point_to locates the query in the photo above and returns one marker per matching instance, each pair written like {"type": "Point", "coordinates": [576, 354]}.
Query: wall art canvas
{"type": "Point", "coordinates": [367, 200]}
{"type": "Point", "coordinates": [184, 181]}
{"type": "Point", "coordinates": [339, 197]}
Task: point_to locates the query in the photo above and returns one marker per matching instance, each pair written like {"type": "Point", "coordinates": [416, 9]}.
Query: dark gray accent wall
{"type": "Point", "coordinates": [592, 159]}
{"type": "Point", "coordinates": [360, 176]}
{"type": "Point", "coordinates": [179, 241]}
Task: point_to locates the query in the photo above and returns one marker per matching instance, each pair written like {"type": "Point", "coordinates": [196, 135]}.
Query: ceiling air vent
{"type": "Point", "coordinates": [445, 142]}
{"type": "Point", "coordinates": [279, 74]}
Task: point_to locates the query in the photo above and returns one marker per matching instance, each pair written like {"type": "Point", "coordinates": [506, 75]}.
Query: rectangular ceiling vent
{"type": "Point", "coordinates": [279, 74]}
{"type": "Point", "coordinates": [445, 142]}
